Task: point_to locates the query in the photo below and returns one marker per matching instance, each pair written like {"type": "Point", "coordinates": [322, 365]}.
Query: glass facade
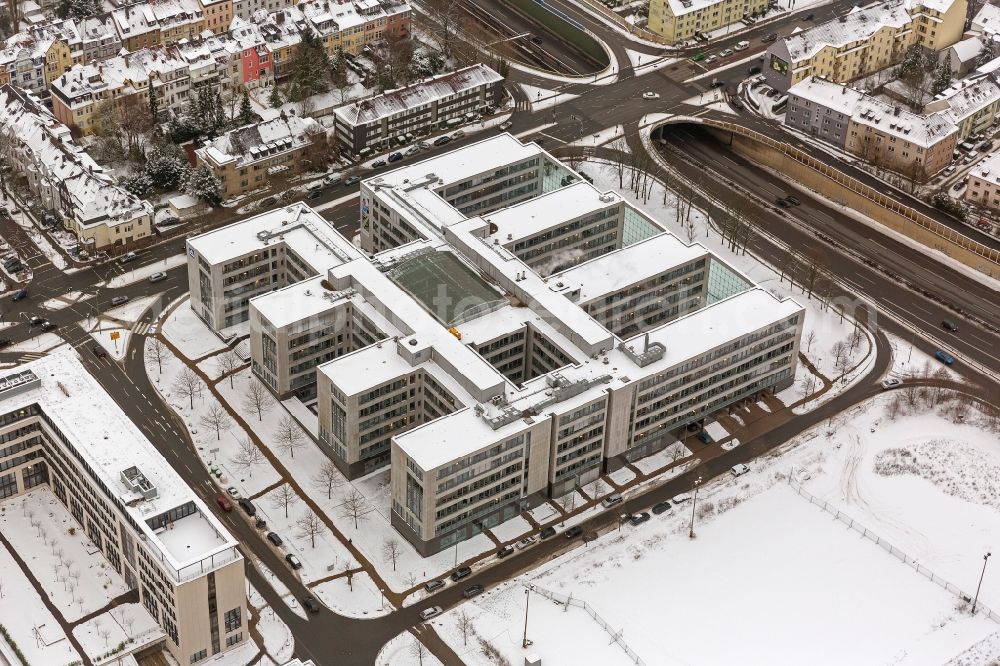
{"type": "Point", "coordinates": [724, 282]}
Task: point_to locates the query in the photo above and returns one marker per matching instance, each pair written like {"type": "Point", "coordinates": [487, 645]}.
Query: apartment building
{"type": "Point", "coordinates": [418, 107]}
{"type": "Point", "coordinates": [60, 428]}
{"type": "Point", "coordinates": [32, 59]}
{"type": "Point", "coordinates": [681, 20]}
{"type": "Point", "coordinates": [63, 177]}
{"type": "Point", "coordinates": [983, 188]}
{"type": "Point", "coordinates": [247, 158]}
{"type": "Point", "coordinates": [442, 350]}
{"type": "Point", "coordinates": [863, 41]}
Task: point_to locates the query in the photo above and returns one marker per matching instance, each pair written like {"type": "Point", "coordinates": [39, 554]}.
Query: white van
{"type": "Point", "coordinates": [742, 46]}
{"type": "Point", "coordinates": [739, 470]}
{"type": "Point", "coordinates": [971, 157]}
{"type": "Point", "coordinates": [611, 500]}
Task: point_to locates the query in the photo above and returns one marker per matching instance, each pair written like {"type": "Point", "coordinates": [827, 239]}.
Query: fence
{"type": "Point", "coordinates": [564, 601]}
{"type": "Point", "coordinates": [891, 549]}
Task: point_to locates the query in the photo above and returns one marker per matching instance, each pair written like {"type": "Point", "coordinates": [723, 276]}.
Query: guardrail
{"type": "Point", "coordinates": [566, 602]}
{"type": "Point", "coordinates": [891, 549]}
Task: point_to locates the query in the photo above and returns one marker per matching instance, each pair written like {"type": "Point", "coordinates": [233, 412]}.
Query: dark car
{"type": "Point", "coordinates": [769, 37]}
{"type": "Point", "coordinates": [639, 518]}
{"type": "Point", "coordinates": [441, 140]}
{"type": "Point", "coordinates": [547, 532]}
{"type": "Point", "coordinates": [351, 180]}
{"type": "Point", "coordinates": [293, 561]}
{"type": "Point", "coordinates": [224, 503]}
{"type": "Point", "coordinates": [247, 506]}
{"type": "Point", "coordinates": [473, 591]}
{"type": "Point", "coordinates": [310, 604]}
{"type": "Point", "coordinates": [432, 585]}
{"type": "Point", "coordinates": [99, 351]}
{"type": "Point", "coordinates": [944, 357]}
{"type": "Point", "coordinates": [662, 507]}
{"type": "Point", "coordinates": [13, 266]}
{"type": "Point", "coordinates": [4, 213]}
{"type": "Point", "coordinates": [704, 437]}
{"type": "Point", "coordinates": [48, 325]}
{"type": "Point", "coordinates": [395, 157]}
{"type": "Point", "coordinates": [782, 203]}
{"type": "Point", "coordinates": [378, 164]}
{"type": "Point", "coordinates": [949, 325]}
{"type": "Point", "coordinates": [269, 201]}
{"type": "Point", "coordinates": [274, 538]}
{"type": "Point", "coordinates": [36, 321]}
{"type": "Point", "coordinates": [19, 294]}
{"type": "Point", "coordinates": [128, 257]}
{"type": "Point", "coordinates": [4, 342]}
{"type": "Point", "coordinates": [754, 69]}
{"type": "Point", "coordinates": [505, 551]}
{"type": "Point", "coordinates": [809, 17]}
{"type": "Point", "coordinates": [573, 532]}
{"type": "Point", "coordinates": [536, 40]}
{"type": "Point", "coordinates": [792, 199]}
{"type": "Point", "coordinates": [315, 194]}
{"type": "Point", "coordinates": [119, 300]}
{"type": "Point", "coordinates": [460, 573]}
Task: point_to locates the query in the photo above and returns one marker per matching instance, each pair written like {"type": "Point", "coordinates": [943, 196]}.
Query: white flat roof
{"type": "Point", "coordinates": [461, 433]}
{"type": "Point", "coordinates": [549, 210]}
{"type": "Point", "coordinates": [630, 265]}
{"type": "Point", "coordinates": [109, 442]}
{"type": "Point", "coordinates": [296, 302]}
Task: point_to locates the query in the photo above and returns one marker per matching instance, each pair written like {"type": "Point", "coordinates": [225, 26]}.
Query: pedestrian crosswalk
{"type": "Point", "coordinates": [30, 356]}
{"type": "Point", "coordinates": [142, 327]}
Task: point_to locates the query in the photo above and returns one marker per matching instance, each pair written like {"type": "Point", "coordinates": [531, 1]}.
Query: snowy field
{"type": "Point", "coordinates": [762, 547]}
{"type": "Point", "coordinates": [66, 564]}
{"type": "Point", "coordinates": [360, 598]}
{"type": "Point", "coordinates": [189, 334]}
{"type": "Point", "coordinates": [126, 628]}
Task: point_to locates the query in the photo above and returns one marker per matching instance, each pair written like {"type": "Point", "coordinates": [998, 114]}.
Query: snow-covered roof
{"type": "Point", "coordinates": [969, 96]}
{"type": "Point", "coordinates": [115, 450]}
{"type": "Point", "coordinates": [988, 170]}
{"type": "Point", "coordinates": [924, 131]}
{"type": "Point", "coordinates": [123, 73]}
{"type": "Point", "coordinates": [857, 26]}
{"type": "Point", "coordinates": [134, 20]}
{"type": "Point", "coordinates": [967, 49]}
{"type": "Point", "coordinates": [827, 94]}
{"type": "Point", "coordinates": [987, 20]}
{"type": "Point", "coordinates": [246, 145]}
{"type": "Point", "coordinates": [399, 101]}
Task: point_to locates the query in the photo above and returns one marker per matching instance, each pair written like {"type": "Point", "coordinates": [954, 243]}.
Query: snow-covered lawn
{"type": "Point", "coordinates": [68, 566]}
{"type": "Point", "coordinates": [189, 334]}
{"type": "Point", "coordinates": [66, 300]}
{"type": "Point", "coordinates": [541, 98]}
{"type": "Point", "coordinates": [400, 651]}
{"type": "Point", "coordinates": [43, 342]}
{"type": "Point", "coordinates": [26, 618]}
{"type": "Point", "coordinates": [124, 629]}
{"type": "Point", "coordinates": [360, 598]}
{"type": "Point", "coordinates": [511, 529]}
{"type": "Point", "coordinates": [674, 452]}
{"type": "Point", "coordinates": [278, 640]}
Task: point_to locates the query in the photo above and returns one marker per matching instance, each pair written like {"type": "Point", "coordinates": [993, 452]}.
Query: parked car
{"type": "Point", "coordinates": [505, 551]}
{"type": "Point", "coordinates": [412, 150]}
{"type": "Point", "coordinates": [378, 164]}
{"type": "Point", "coordinates": [310, 604]}
{"type": "Point", "coordinates": [680, 499]}
{"type": "Point", "coordinates": [4, 342]}
{"type": "Point", "coordinates": [739, 470]}
{"type": "Point", "coordinates": [428, 613]}
{"type": "Point", "coordinates": [119, 300]}
{"type": "Point", "coordinates": [891, 383]}
{"type": "Point", "coordinates": [547, 532]}
{"type": "Point", "coordinates": [318, 185]}
{"type": "Point", "coordinates": [332, 179]}
{"type": "Point", "coordinates": [128, 258]}
{"type": "Point", "coordinates": [639, 518]}
{"type": "Point", "coordinates": [650, 95]}
{"type": "Point", "coordinates": [458, 134]}
{"type": "Point", "coordinates": [754, 69]}
{"type": "Point", "coordinates": [611, 500]}
{"type": "Point", "coordinates": [314, 194]}
{"type": "Point", "coordinates": [770, 37]}
{"type": "Point", "coordinates": [99, 351]}
{"type": "Point", "coordinates": [944, 357]}
{"type": "Point", "coordinates": [224, 503]}
{"type": "Point", "coordinates": [293, 561]}
{"type": "Point", "coordinates": [460, 573]}
{"type": "Point", "coordinates": [432, 585]}
{"type": "Point", "coordinates": [948, 170]}
{"type": "Point", "coordinates": [473, 591]}
{"type": "Point", "coordinates": [19, 295]}
{"type": "Point", "coordinates": [809, 17]}
{"type": "Point", "coordinates": [505, 126]}
{"type": "Point", "coordinates": [274, 538]}
{"type": "Point", "coordinates": [573, 532]}
{"type": "Point", "coordinates": [423, 145]}
{"type": "Point", "coordinates": [536, 40]}
{"type": "Point", "coordinates": [704, 437]}
{"type": "Point", "coordinates": [525, 542]}
{"type": "Point", "coordinates": [661, 507]}
{"type": "Point", "coordinates": [441, 140]}
{"type": "Point", "coordinates": [158, 277]}
{"type": "Point", "coordinates": [233, 492]}
{"type": "Point", "coordinates": [247, 506]}
{"type": "Point", "coordinates": [351, 180]}
{"type": "Point", "coordinates": [395, 157]}
{"type": "Point", "coordinates": [949, 325]}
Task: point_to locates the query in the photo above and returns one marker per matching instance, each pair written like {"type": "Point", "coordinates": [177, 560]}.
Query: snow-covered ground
{"type": "Point", "coordinates": [66, 300]}
{"type": "Point", "coordinates": [785, 581]}
{"type": "Point", "coordinates": [26, 619]}
{"type": "Point", "coordinates": [544, 99]}
{"type": "Point", "coordinates": [117, 321]}
{"type": "Point", "coordinates": [360, 598]}
{"type": "Point", "coordinates": [189, 334]}
{"type": "Point", "coordinates": [278, 640]}
{"type": "Point", "coordinates": [124, 629]}
{"type": "Point", "coordinates": [401, 651]}
{"type": "Point", "coordinates": [68, 566]}
{"type": "Point", "coordinates": [43, 342]}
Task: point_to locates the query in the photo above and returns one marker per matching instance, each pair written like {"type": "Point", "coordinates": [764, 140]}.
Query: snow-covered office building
{"type": "Point", "coordinates": [508, 333]}
{"type": "Point", "coordinates": [59, 427]}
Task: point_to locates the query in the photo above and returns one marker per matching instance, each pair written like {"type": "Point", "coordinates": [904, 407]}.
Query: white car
{"type": "Point", "coordinates": [650, 95]}
{"type": "Point", "coordinates": [739, 470]}
{"type": "Point", "coordinates": [742, 46]}
{"type": "Point", "coordinates": [726, 53]}
{"type": "Point", "coordinates": [709, 60]}
{"type": "Point", "coordinates": [525, 542]}
{"type": "Point", "coordinates": [428, 613]}
{"type": "Point", "coordinates": [412, 150]}
{"type": "Point", "coordinates": [891, 383]}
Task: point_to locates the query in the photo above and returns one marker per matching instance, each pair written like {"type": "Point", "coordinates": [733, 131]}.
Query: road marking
{"type": "Point", "coordinates": [161, 426]}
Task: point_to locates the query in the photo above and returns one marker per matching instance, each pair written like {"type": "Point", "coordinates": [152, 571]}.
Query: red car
{"type": "Point", "coordinates": [224, 503]}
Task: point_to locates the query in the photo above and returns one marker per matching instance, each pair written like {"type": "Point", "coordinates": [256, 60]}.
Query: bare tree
{"type": "Point", "coordinates": [247, 456]}
{"type": "Point", "coordinates": [288, 437]}
{"type": "Point", "coordinates": [808, 384]}
{"type": "Point", "coordinates": [227, 364]}
{"type": "Point", "coordinates": [391, 550]}
{"type": "Point", "coordinates": [619, 155]}
{"type": "Point", "coordinates": [328, 477]}
{"type": "Point", "coordinates": [310, 526]}
{"type": "Point", "coordinates": [157, 352]}
{"type": "Point", "coordinates": [568, 501]}
{"type": "Point", "coordinates": [443, 21]}
{"type": "Point", "coordinates": [465, 625]}
{"type": "Point", "coordinates": [893, 409]}
{"type": "Point", "coordinates": [284, 498]}
{"type": "Point", "coordinates": [217, 419]}
{"type": "Point", "coordinates": [348, 572]}
{"type": "Point", "coordinates": [188, 385]}
{"type": "Point", "coordinates": [418, 650]}
{"type": "Point", "coordinates": [809, 340]}
{"type": "Point", "coordinates": [257, 399]}
{"type": "Point", "coordinates": [840, 357]}
{"type": "Point", "coordinates": [355, 506]}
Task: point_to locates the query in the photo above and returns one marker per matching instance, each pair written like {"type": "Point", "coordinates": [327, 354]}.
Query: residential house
{"type": "Point", "coordinates": [680, 20]}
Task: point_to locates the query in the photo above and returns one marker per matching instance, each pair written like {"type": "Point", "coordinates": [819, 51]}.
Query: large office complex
{"type": "Point", "coordinates": [508, 333]}
{"type": "Point", "coordinates": [59, 427]}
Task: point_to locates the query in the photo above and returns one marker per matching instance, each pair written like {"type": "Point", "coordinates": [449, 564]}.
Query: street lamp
{"type": "Point", "coordinates": [975, 601]}
{"type": "Point", "coordinates": [527, 597]}
{"type": "Point", "coordinates": [697, 482]}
